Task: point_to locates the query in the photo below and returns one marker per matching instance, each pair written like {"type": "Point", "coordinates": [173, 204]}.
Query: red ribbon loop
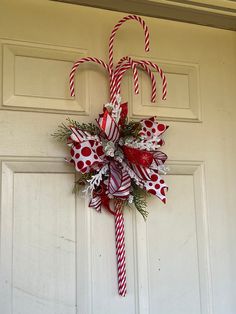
{"type": "Point", "coordinates": [138, 157]}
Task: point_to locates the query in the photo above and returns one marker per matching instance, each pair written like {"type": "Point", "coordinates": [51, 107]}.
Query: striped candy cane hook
{"type": "Point", "coordinates": [119, 70]}
{"type": "Point", "coordinates": [162, 75]}
{"type": "Point", "coordinates": [77, 64]}
{"type": "Point", "coordinates": [115, 29]}
{"type": "Point", "coordinates": [120, 248]}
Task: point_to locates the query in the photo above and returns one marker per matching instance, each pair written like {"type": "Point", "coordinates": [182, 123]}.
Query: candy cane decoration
{"type": "Point", "coordinates": [162, 75]}
{"type": "Point", "coordinates": [111, 44]}
{"type": "Point", "coordinates": [153, 80]}
{"type": "Point", "coordinates": [75, 67]}
{"type": "Point", "coordinates": [115, 77]}
{"type": "Point", "coordinates": [120, 249]}
{"type": "Point", "coordinates": [118, 75]}
{"type": "Point", "coordinates": [144, 64]}
{"type": "Point", "coordinates": [115, 29]}
{"type": "Point", "coordinates": [121, 70]}
{"type": "Point", "coordinates": [135, 73]}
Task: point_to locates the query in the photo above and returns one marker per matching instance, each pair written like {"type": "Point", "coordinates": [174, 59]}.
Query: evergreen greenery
{"type": "Point", "coordinates": [131, 128]}
{"type": "Point", "coordinates": [63, 132]}
{"type": "Point", "coordinates": [140, 200]}
{"type": "Point", "coordinates": [82, 181]}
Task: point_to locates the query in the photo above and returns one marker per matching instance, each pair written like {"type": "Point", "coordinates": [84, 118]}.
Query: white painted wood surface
{"type": "Point", "coordinates": [57, 255]}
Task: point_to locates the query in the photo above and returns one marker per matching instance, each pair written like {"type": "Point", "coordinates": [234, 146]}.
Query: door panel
{"type": "Point", "coordinates": [57, 255]}
{"type": "Point", "coordinates": [38, 239]}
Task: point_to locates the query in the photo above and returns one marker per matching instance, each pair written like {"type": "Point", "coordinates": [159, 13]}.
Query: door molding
{"type": "Point", "coordinates": [218, 14]}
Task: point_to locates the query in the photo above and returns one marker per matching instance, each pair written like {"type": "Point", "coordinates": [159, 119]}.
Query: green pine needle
{"type": "Point", "coordinates": [82, 181]}
{"type": "Point", "coordinates": [63, 132]}
{"type": "Point", "coordinates": [131, 128]}
{"type": "Point", "coordinates": [139, 200]}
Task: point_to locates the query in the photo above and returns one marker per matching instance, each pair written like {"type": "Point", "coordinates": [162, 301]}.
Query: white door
{"type": "Point", "coordinates": [58, 255]}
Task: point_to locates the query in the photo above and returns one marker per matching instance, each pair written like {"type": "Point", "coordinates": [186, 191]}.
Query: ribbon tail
{"type": "Point", "coordinates": [106, 205]}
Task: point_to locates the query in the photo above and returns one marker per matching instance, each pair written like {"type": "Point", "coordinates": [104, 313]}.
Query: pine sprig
{"type": "Point", "coordinates": [63, 132]}
{"type": "Point", "coordinates": [139, 200]}
{"type": "Point", "coordinates": [131, 128]}
{"type": "Point", "coordinates": [82, 181]}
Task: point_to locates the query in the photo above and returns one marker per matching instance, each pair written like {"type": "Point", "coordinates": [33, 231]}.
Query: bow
{"type": "Point", "coordinates": [114, 160]}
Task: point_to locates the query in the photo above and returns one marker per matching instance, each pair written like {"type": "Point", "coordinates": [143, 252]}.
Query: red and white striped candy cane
{"type": "Point", "coordinates": [152, 77]}
{"type": "Point", "coordinates": [121, 70]}
{"type": "Point", "coordinates": [144, 64]}
{"type": "Point", "coordinates": [120, 248]}
{"type": "Point", "coordinates": [115, 29]}
{"type": "Point", "coordinates": [111, 45]}
{"type": "Point", "coordinates": [118, 77]}
{"type": "Point", "coordinates": [113, 85]}
{"type": "Point", "coordinates": [76, 65]}
{"type": "Point", "coordinates": [162, 75]}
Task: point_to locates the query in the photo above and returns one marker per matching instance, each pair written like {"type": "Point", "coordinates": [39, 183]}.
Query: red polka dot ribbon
{"type": "Point", "coordinates": [119, 156]}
